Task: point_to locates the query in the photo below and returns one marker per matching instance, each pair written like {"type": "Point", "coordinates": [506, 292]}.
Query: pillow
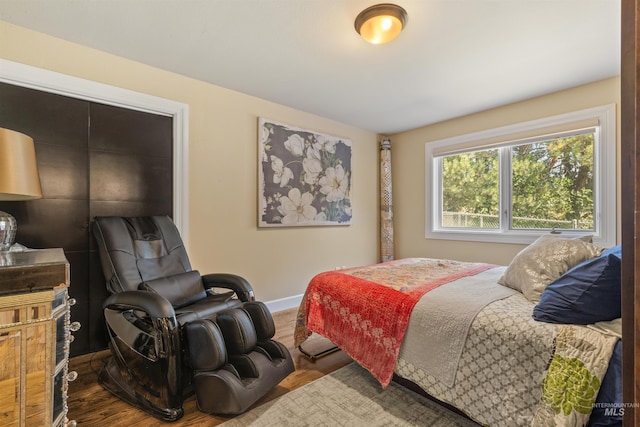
{"type": "Point", "coordinates": [588, 293]}
{"type": "Point", "coordinates": [610, 394]}
{"type": "Point", "coordinates": [181, 289]}
{"type": "Point", "coordinates": [543, 261]}
{"type": "Point", "coordinates": [586, 238]}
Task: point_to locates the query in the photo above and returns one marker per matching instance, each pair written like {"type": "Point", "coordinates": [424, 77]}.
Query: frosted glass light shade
{"type": "Point", "coordinates": [381, 23]}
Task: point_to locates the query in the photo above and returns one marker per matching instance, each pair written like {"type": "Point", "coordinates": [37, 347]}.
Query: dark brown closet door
{"type": "Point", "coordinates": [131, 174]}
{"type": "Point", "coordinates": [59, 127]}
{"type": "Point", "coordinates": [93, 160]}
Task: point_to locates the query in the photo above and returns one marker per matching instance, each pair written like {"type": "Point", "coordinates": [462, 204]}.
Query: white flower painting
{"type": "Point", "coordinates": [304, 177]}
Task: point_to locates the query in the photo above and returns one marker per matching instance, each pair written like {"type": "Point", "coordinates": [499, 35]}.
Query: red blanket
{"type": "Point", "coordinates": [365, 310]}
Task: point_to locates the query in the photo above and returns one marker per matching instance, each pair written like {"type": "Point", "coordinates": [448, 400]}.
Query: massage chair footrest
{"type": "Point", "coordinates": [238, 370]}
{"type": "Point", "coordinates": [223, 392]}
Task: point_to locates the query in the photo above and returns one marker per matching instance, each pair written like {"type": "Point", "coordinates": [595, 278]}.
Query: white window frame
{"type": "Point", "coordinates": [604, 178]}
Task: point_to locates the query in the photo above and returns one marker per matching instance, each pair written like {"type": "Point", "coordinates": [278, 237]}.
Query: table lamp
{"type": "Point", "coordinates": [19, 179]}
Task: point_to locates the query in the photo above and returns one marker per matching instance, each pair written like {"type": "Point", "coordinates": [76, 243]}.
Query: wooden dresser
{"type": "Point", "coordinates": [35, 334]}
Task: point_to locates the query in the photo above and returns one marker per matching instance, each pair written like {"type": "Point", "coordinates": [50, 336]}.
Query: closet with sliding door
{"type": "Point", "coordinates": [93, 159]}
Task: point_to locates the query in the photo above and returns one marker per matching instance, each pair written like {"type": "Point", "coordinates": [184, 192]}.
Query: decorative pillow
{"type": "Point", "coordinates": [586, 238]}
{"type": "Point", "coordinates": [588, 293]}
{"type": "Point", "coordinates": [610, 394]}
{"type": "Point", "coordinates": [181, 289]}
{"type": "Point", "coordinates": [543, 261]}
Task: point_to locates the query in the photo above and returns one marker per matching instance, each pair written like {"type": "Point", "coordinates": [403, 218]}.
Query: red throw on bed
{"type": "Point", "coordinates": [365, 310]}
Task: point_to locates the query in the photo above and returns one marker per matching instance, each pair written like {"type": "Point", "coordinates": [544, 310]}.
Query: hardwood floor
{"type": "Point", "coordinates": [91, 405]}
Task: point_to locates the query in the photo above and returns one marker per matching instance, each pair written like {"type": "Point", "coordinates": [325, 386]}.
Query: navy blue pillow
{"type": "Point", "coordinates": [587, 293]}
{"type": "Point", "coordinates": [607, 410]}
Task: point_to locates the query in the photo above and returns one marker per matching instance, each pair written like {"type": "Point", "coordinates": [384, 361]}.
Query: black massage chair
{"type": "Point", "coordinates": [173, 332]}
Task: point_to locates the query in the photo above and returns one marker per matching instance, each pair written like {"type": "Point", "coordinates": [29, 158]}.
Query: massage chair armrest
{"type": "Point", "coordinates": [153, 304]}
{"type": "Point", "coordinates": [238, 284]}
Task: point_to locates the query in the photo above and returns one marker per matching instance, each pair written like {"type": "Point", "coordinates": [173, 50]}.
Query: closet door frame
{"type": "Point", "coordinates": [49, 81]}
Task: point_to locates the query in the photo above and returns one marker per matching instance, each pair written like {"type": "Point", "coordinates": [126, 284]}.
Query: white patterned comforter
{"type": "Point", "coordinates": [515, 371]}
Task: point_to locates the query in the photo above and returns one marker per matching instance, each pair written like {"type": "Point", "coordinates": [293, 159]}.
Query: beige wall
{"type": "Point", "coordinates": [222, 172]}
{"type": "Point", "coordinates": [409, 179]}
{"type": "Point", "coordinates": [223, 235]}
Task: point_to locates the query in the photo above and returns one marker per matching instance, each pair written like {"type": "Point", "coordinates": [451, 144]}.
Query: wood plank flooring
{"type": "Point", "coordinates": [91, 405]}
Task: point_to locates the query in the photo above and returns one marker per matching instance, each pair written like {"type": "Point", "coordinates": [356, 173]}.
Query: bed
{"type": "Point", "coordinates": [533, 343]}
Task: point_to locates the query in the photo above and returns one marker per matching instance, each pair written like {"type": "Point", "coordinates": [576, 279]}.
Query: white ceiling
{"type": "Point", "coordinates": [454, 57]}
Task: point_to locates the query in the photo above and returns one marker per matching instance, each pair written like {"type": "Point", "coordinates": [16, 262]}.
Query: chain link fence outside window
{"type": "Point", "coordinates": [488, 221]}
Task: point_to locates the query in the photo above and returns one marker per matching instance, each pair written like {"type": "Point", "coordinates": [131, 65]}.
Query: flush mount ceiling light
{"type": "Point", "coordinates": [381, 23]}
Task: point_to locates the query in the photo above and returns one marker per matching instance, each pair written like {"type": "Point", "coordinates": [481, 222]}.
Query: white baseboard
{"type": "Point", "coordinates": [284, 303]}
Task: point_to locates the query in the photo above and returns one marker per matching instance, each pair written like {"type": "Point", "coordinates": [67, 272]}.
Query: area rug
{"type": "Point", "coordinates": [350, 396]}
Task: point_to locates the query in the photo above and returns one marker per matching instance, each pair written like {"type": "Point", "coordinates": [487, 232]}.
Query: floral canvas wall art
{"type": "Point", "coordinates": [304, 177]}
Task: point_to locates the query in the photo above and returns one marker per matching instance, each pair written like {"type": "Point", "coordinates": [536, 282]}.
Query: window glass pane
{"type": "Point", "coordinates": [552, 184]}
{"type": "Point", "coordinates": [470, 190]}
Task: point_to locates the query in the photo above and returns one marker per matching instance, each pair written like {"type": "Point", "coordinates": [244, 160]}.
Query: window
{"type": "Point", "coordinates": [511, 184]}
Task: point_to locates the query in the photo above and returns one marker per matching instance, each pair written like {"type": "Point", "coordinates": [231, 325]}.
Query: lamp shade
{"type": "Point", "coordinates": [381, 23]}
{"type": "Point", "coordinates": [19, 179]}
